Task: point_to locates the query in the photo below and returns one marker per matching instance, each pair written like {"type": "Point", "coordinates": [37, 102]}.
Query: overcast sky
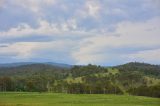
{"type": "Point", "coordinates": [102, 32]}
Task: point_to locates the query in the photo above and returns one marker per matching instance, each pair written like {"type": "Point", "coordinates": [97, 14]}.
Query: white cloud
{"type": "Point", "coordinates": [18, 50]}
{"type": "Point", "coordinates": [131, 36]}
{"type": "Point", "coordinates": [151, 56]}
{"type": "Point", "coordinates": [93, 8]}
{"type": "Point", "coordinates": [139, 33]}
{"type": "Point", "coordinates": [95, 48]}
{"type": "Point", "coordinates": [116, 11]}
{"type": "Point", "coordinates": [92, 43]}
{"type": "Point", "coordinates": [62, 30]}
{"type": "Point", "coordinates": [28, 50]}
{"type": "Point", "coordinates": [21, 30]}
{"type": "Point", "coordinates": [34, 5]}
{"type": "Point", "coordinates": [44, 28]}
{"type": "Point", "coordinates": [88, 58]}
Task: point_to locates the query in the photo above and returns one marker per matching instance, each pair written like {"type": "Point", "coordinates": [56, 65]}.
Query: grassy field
{"type": "Point", "coordinates": [58, 99]}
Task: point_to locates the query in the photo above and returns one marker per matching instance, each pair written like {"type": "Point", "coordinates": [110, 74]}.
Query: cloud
{"type": "Point", "coordinates": [45, 28]}
{"type": "Point", "coordinates": [153, 3]}
{"type": "Point", "coordinates": [3, 45]}
{"type": "Point", "coordinates": [151, 56]}
{"type": "Point", "coordinates": [133, 37]}
{"type": "Point", "coordinates": [1, 3]}
{"type": "Point", "coordinates": [127, 40]}
{"type": "Point", "coordinates": [35, 6]}
{"type": "Point", "coordinates": [81, 32]}
{"type": "Point", "coordinates": [18, 50]}
{"type": "Point", "coordinates": [117, 12]}
{"type": "Point", "coordinates": [20, 30]}
{"type": "Point", "coordinates": [58, 50]}
{"type": "Point", "coordinates": [91, 9]}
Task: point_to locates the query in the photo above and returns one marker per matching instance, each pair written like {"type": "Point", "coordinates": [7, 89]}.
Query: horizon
{"type": "Point", "coordinates": [80, 32]}
{"type": "Point", "coordinates": [9, 63]}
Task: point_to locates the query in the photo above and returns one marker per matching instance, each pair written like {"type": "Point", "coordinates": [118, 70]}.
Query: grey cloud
{"type": "Point", "coordinates": [4, 45]}
{"type": "Point", "coordinates": [1, 3]}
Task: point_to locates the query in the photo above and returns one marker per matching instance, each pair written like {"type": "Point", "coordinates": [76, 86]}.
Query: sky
{"type": "Point", "coordinates": [102, 32]}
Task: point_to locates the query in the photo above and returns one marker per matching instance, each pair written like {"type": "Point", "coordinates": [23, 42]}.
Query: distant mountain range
{"type": "Point", "coordinates": [31, 63]}
{"type": "Point", "coordinates": [63, 65]}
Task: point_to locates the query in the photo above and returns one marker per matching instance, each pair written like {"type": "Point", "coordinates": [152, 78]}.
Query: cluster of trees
{"type": "Point", "coordinates": [91, 85]}
{"type": "Point", "coordinates": [93, 79]}
{"type": "Point", "coordinates": [78, 71]}
{"type": "Point", "coordinates": [153, 91]}
{"type": "Point", "coordinates": [81, 88]}
{"type": "Point", "coordinates": [21, 84]}
{"type": "Point", "coordinates": [6, 84]}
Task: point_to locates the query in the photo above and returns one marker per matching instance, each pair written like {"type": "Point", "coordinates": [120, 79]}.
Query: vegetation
{"type": "Point", "coordinates": [146, 91]}
{"type": "Point", "coordinates": [59, 99]}
{"type": "Point", "coordinates": [132, 78]}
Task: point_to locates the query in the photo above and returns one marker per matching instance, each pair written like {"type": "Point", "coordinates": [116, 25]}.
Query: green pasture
{"type": "Point", "coordinates": [60, 99]}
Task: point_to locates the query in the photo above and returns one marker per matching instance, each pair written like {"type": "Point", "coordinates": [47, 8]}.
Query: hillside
{"type": "Point", "coordinates": [133, 78]}
{"type": "Point", "coordinates": [10, 65]}
{"type": "Point", "coordinates": [31, 69]}
{"type": "Point", "coordinates": [144, 68]}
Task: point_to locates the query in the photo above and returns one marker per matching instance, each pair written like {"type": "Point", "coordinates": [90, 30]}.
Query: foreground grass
{"type": "Point", "coordinates": [58, 99]}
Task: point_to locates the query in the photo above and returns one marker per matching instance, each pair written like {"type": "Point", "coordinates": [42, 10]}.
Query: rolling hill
{"type": "Point", "coordinates": [132, 78]}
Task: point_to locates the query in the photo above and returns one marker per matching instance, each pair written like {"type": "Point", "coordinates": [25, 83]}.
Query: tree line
{"type": "Point", "coordinates": [92, 79]}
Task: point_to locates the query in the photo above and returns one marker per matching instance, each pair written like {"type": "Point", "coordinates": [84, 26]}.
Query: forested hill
{"type": "Point", "coordinates": [133, 78]}
{"type": "Point", "coordinates": [144, 68]}
{"type": "Point", "coordinates": [32, 69]}
{"type": "Point", "coordinates": [29, 68]}
{"type": "Point", "coordinates": [31, 63]}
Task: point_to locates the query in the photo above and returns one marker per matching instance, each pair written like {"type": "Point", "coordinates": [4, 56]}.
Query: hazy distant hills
{"type": "Point", "coordinates": [49, 67]}
{"type": "Point", "coordinates": [59, 64]}
{"type": "Point", "coordinates": [129, 66]}
{"type": "Point", "coordinates": [9, 65]}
